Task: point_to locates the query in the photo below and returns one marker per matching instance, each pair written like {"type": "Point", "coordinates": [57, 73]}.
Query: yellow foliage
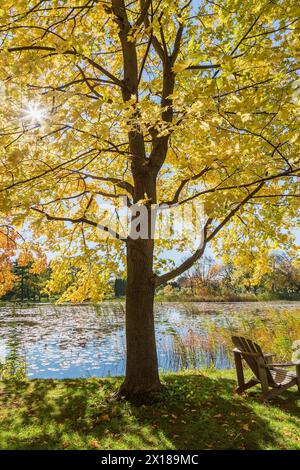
{"type": "Point", "coordinates": [76, 280]}
{"type": "Point", "coordinates": [204, 101]}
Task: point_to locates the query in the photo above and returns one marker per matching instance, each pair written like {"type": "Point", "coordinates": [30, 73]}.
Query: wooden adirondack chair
{"type": "Point", "coordinates": [269, 375]}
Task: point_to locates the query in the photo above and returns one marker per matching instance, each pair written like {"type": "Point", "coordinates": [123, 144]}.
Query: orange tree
{"type": "Point", "coordinates": [160, 101]}
{"type": "Point", "coordinates": [7, 251]}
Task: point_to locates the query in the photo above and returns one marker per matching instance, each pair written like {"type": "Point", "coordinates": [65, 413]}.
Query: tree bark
{"type": "Point", "coordinates": [141, 385]}
{"type": "Point", "coordinates": [142, 380]}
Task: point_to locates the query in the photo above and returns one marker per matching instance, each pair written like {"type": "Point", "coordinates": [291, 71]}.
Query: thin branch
{"type": "Point", "coordinates": [234, 211]}
{"type": "Point", "coordinates": [188, 263]}
{"type": "Point", "coordinates": [79, 220]}
{"type": "Point", "coordinates": [203, 67]}
{"type": "Point", "coordinates": [184, 182]}
{"type": "Point", "coordinates": [287, 173]}
{"type": "Point", "coordinates": [116, 181]}
{"type": "Point", "coordinates": [44, 173]}
{"type": "Point", "coordinates": [68, 52]}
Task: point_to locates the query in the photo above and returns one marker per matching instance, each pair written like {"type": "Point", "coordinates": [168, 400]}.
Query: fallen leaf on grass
{"type": "Point", "coordinates": [95, 445]}
{"type": "Point", "coordinates": [105, 418]}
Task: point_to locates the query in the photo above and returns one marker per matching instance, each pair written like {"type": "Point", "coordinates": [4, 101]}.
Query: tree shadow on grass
{"type": "Point", "coordinates": [197, 412]}
{"type": "Point", "coordinates": [218, 418]}
{"type": "Point", "coordinates": [42, 413]}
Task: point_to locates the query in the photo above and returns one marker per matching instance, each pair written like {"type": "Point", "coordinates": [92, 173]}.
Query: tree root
{"type": "Point", "coordinates": [141, 395]}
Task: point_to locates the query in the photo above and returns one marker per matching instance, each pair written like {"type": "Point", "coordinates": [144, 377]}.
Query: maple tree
{"type": "Point", "coordinates": [164, 102]}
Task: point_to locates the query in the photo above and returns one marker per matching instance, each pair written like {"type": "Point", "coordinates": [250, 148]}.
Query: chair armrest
{"type": "Point", "coordinates": [283, 364]}
{"type": "Point", "coordinates": [268, 357]}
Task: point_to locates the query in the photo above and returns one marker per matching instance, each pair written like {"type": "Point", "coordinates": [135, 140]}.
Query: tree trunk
{"type": "Point", "coordinates": [141, 383]}
{"type": "Point", "coordinates": [22, 284]}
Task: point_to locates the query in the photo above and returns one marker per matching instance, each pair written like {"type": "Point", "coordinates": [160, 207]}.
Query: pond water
{"type": "Point", "coordinates": [84, 341]}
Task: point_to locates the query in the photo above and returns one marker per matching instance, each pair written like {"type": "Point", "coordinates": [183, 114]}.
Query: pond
{"type": "Point", "coordinates": [84, 341]}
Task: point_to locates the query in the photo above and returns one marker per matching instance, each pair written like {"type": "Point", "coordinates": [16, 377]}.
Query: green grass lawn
{"type": "Point", "coordinates": [200, 411]}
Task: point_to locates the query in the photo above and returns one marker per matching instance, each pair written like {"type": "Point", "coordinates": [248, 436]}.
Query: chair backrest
{"type": "Point", "coordinates": [253, 355]}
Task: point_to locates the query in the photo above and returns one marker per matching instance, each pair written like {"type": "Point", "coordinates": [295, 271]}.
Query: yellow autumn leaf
{"type": "Point", "coordinates": [180, 66]}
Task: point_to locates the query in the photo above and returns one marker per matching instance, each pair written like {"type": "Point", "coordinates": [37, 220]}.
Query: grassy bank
{"type": "Point", "coordinates": [226, 297]}
{"type": "Point", "coordinates": [174, 297]}
{"type": "Point", "coordinates": [200, 411]}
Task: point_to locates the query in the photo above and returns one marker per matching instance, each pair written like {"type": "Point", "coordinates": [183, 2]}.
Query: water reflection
{"type": "Point", "coordinates": [83, 341]}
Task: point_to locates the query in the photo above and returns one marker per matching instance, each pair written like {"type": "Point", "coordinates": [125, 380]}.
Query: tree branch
{"type": "Point", "coordinates": [79, 220]}
{"type": "Point", "coordinates": [97, 66]}
{"type": "Point", "coordinates": [234, 211]}
{"type": "Point", "coordinates": [237, 186]}
{"type": "Point", "coordinates": [183, 184]}
{"type": "Point", "coordinates": [188, 263]}
{"type": "Point", "coordinates": [116, 181]}
{"type": "Point", "coordinates": [206, 238]}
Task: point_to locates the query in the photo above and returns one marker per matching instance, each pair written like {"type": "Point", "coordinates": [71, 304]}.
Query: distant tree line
{"type": "Point", "coordinates": [209, 277]}
{"type": "Point", "coordinates": [28, 286]}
